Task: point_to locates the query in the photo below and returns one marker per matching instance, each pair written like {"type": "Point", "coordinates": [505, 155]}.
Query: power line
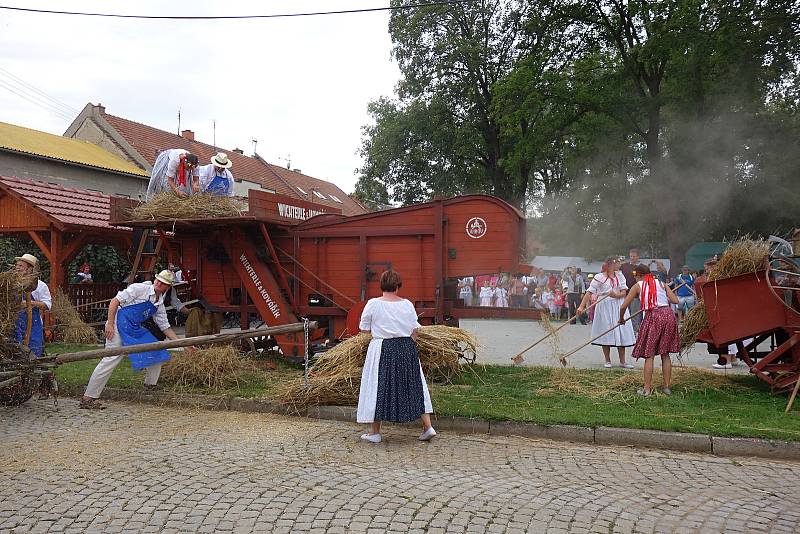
{"type": "Point", "coordinates": [237, 17]}
{"type": "Point", "coordinates": [33, 100]}
{"type": "Point", "coordinates": [23, 85]}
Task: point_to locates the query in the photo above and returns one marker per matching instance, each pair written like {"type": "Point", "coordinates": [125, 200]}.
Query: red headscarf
{"type": "Point", "coordinates": [606, 269]}
{"type": "Point", "coordinates": [649, 297]}
{"type": "Point", "coordinates": [181, 178]}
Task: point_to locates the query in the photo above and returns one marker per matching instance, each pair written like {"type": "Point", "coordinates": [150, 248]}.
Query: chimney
{"type": "Point", "coordinates": [187, 134]}
{"type": "Point", "coordinates": [100, 108]}
{"type": "Point", "coordinates": [297, 171]}
{"type": "Point", "coordinates": [239, 151]}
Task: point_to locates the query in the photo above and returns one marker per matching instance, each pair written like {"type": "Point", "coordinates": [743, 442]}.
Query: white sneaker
{"type": "Point", "coordinates": [372, 438]}
{"type": "Point", "coordinates": [628, 366]}
{"type": "Point", "coordinates": [427, 435]}
{"type": "Point", "coordinates": [607, 365]}
{"type": "Point", "coordinates": [722, 366]}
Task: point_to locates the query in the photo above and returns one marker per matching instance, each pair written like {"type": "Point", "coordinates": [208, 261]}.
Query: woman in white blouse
{"type": "Point", "coordinates": [610, 282]}
{"type": "Point", "coordinates": [393, 387]}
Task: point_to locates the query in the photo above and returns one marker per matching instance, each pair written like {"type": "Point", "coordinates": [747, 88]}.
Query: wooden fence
{"type": "Point", "coordinates": [82, 294]}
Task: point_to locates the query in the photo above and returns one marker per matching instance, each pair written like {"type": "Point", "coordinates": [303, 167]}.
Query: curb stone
{"type": "Point", "coordinates": [656, 439]}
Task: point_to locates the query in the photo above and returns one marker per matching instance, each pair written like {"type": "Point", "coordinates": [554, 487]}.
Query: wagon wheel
{"type": "Point", "coordinates": [783, 279]}
{"type": "Point", "coordinates": [15, 358]}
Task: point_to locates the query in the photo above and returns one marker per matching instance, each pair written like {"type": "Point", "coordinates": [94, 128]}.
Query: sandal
{"type": "Point", "coordinates": [92, 404]}
{"type": "Point", "coordinates": [643, 392]}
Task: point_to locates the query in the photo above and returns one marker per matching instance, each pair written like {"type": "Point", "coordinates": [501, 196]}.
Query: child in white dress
{"type": "Point", "coordinates": [486, 295]}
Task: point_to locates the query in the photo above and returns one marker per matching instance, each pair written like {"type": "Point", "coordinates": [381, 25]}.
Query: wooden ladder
{"type": "Point", "coordinates": [144, 262]}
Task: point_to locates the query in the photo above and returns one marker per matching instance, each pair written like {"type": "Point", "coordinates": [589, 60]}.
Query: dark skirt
{"type": "Point", "coordinates": [400, 396]}
{"type": "Point", "coordinates": [658, 334]}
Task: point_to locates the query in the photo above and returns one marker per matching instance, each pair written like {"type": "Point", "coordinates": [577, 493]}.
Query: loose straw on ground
{"type": "Point", "coordinates": [215, 368]}
{"type": "Point", "coordinates": [71, 328]}
{"type": "Point", "coordinates": [170, 206]}
{"type": "Point", "coordinates": [518, 359]}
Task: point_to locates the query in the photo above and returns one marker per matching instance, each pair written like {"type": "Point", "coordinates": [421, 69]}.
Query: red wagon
{"type": "Point", "coordinates": [761, 306]}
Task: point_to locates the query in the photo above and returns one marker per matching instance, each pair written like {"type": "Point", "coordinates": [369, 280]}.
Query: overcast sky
{"type": "Point", "coordinates": [299, 85]}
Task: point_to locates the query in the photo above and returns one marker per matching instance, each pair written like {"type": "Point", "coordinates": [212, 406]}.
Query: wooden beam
{"type": "Point", "coordinates": [74, 247]}
{"type": "Point", "coordinates": [43, 246]}
{"type": "Point", "coordinates": [57, 275]}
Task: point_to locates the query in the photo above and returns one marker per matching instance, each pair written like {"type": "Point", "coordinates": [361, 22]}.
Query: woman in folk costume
{"type": "Point", "coordinates": [175, 170]}
{"type": "Point", "coordinates": [501, 296]}
{"type": "Point", "coordinates": [393, 386]}
{"type": "Point", "coordinates": [486, 295]}
{"type": "Point", "coordinates": [28, 266]}
{"type": "Point", "coordinates": [609, 282]}
{"type": "Point", "coordinates": [465, 291]}
{"type": "Point", "coordinates": [658, 333]}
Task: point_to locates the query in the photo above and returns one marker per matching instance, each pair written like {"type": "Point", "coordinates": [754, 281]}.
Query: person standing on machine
{"type": "Point", "coordinates": [215, 178]}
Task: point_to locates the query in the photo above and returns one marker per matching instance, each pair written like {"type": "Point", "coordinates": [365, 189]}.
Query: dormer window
{"type": "Point", "coordinates": [320, 195]}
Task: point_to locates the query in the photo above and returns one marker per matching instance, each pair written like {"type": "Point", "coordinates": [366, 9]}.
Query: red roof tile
{"type": "Point", "coordinates": [74, 207]}
{"type": "Point", "coordinates": [149, 141]}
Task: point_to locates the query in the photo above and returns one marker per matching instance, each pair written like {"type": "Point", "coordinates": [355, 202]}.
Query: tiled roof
{"type": "Point", "coordinates": [36, 143]}
{"type": "Point", "coordinates": [74, 207]}
{"type": "Point", "coordinates": [149, 141]}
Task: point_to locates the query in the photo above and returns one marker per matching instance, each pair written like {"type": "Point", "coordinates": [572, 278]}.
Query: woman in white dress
{"type": "Point", "coordinates": [501, 297]}
{"type": "Point", "coordinates": [606, 313]}
{"type": "Point", "coordinates": [486, 295]}
{"type": "Point", "coordinates": [465, 291]}
{"type": "Point", "coordinates": [393, 387]}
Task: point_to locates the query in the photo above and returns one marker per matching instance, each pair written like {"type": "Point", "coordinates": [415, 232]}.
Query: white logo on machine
{"type": "Point", "coordinates": [476, 228]}
{"type": "Point", "coordinates": [271, 304]}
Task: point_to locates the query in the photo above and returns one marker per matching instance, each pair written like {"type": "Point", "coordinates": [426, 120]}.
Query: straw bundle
{"type": "Point", "coordinates": [71, 328]}
{"type": "Point", "coordinates": [202, 323]}
{"type": "Point", "coordinates": [170, 206]}
{"type": "Point", "coordinates": [335, 378]}
{"type": "Point", "coordinates": [741, 257]}
{"type": "Point", "coordinates": [12, 287]}
{"type": "Point", "coordinates": [215, 368]}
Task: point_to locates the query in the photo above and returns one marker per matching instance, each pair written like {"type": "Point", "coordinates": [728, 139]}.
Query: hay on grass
{"type": "Point", "coordinates": [213, 368]}
{"type": "Point", "coordinates": [70, 327]}
{"type": "Point", "coordinates": [618, 386]}
{"type": "Point", "coordinates": [170, 206]}
{"type": "Point", "coordinates": [335, 377]}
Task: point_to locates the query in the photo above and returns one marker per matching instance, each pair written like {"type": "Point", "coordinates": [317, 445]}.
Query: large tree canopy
{"type": "Point", "coordinates": [611, 122]}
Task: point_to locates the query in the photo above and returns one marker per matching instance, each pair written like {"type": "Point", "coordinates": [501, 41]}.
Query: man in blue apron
{"type": "Point", "coordinates": [215, 178]}
{"type": "Point", "coordinates": [28, 265]}
{"type": "Point", "coordinates": [126, 313]}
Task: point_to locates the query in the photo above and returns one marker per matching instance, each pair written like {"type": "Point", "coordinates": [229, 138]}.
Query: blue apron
{"type": "Point", "coordinates": [219, 186]}
{"type": "Point", "coordinates": [131, 331]}
{"type": "Point", "coordinates": [36, 342]}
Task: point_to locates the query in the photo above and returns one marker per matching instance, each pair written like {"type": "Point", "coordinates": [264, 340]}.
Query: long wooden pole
{"type": "Point", "coordinates": [186, 342]}
{"type": "Point", "coordinates": [516, 358]}
{"type": "Point", "coordinates": [794, 394]}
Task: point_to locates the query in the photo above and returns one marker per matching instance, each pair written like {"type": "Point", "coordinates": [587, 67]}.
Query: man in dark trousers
{"type": "Point", "coordinates": [628, 269]}
{"type": "Point", "coordinates": [574, 292]}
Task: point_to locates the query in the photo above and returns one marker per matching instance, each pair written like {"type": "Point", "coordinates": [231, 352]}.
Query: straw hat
{"type": "Point", "coordinates": [166, 277]}
{"type": "Point", "coordinates": [30, 259]}
{"type": "Point", "coordinates": [221, 160]}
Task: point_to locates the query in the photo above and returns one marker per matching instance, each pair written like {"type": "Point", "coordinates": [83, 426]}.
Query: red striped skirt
{"type": "Point", "coordinates": [658, 334]}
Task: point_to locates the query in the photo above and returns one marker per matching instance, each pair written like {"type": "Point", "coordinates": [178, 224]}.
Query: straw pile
{"type": "Point", "coordinates": [170, 206]}
{"type": "Point", "coordinates": [741, 257]}
{"type": "Point", "coordinates": [12, 286]}
{"type": "Point", "coordinates": [335, 377]}
{"type": "Point", "coordinates": [71, 328]}
{"type": "Point", "coordinates": [214, 368]}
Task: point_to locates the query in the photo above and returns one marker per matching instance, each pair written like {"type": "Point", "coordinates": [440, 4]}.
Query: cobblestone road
{"type": "Point", "coordinates": [138, 468]}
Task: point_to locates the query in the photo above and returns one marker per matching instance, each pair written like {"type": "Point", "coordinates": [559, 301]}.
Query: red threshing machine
{"type": "Point", "coordinates": [286, 258]}
{"type": "Point", "coordinates": [764, 307]}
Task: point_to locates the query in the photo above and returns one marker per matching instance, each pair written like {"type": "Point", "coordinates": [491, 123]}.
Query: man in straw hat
{"type": "Point", "coordinates": [28, 265]}
{"type": "Point", "coordinates": [128, 310]}
{"type": "Point", "coordinates": [215, 178]}
{"type": "Point", "coordinates": [174, 170]}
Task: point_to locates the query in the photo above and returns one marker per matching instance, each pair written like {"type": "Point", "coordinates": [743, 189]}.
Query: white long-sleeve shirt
{"type": "Point", "coordinates": [42, 294]}
{"type": "Point", "coordinates": [209, 172]}
{"type": "Point", "coordinates": [145, 292]}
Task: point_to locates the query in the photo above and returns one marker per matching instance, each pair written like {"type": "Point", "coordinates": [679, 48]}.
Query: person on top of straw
{"type": "Point", "coordinates": [28, 265]}
{"type": "Point", "coordinates": [393, 385]}
{"type": "Point", "coordinates": [658, 334]}
{"type": "Point", "coordinates": [215, 178]}
{"type": "Point", "coordinates": [610, 282]}
{"type": "Point", "coordinates": [174, 170]}
{"type": "Point", "coordinates": [127, 311]}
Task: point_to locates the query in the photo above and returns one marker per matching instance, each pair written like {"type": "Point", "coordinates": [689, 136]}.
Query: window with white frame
{"type": "Point", "coordinates": [301, 190]}
{"type": "Point", "coordinates": [335, 198]}
{"type": "Point", "coordinates": [320, 195]}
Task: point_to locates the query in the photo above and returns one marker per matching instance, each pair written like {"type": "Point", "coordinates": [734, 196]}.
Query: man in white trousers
{"type": "Point", "coordinates": [128, 310]}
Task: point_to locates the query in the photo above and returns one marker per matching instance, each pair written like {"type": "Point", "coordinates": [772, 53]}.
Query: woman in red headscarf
{"type": "Point", "coordinates": [658, 333]}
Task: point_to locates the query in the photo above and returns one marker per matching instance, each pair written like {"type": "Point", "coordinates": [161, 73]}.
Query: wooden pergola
{"type": "Point", "coordinates": [60, 220]}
